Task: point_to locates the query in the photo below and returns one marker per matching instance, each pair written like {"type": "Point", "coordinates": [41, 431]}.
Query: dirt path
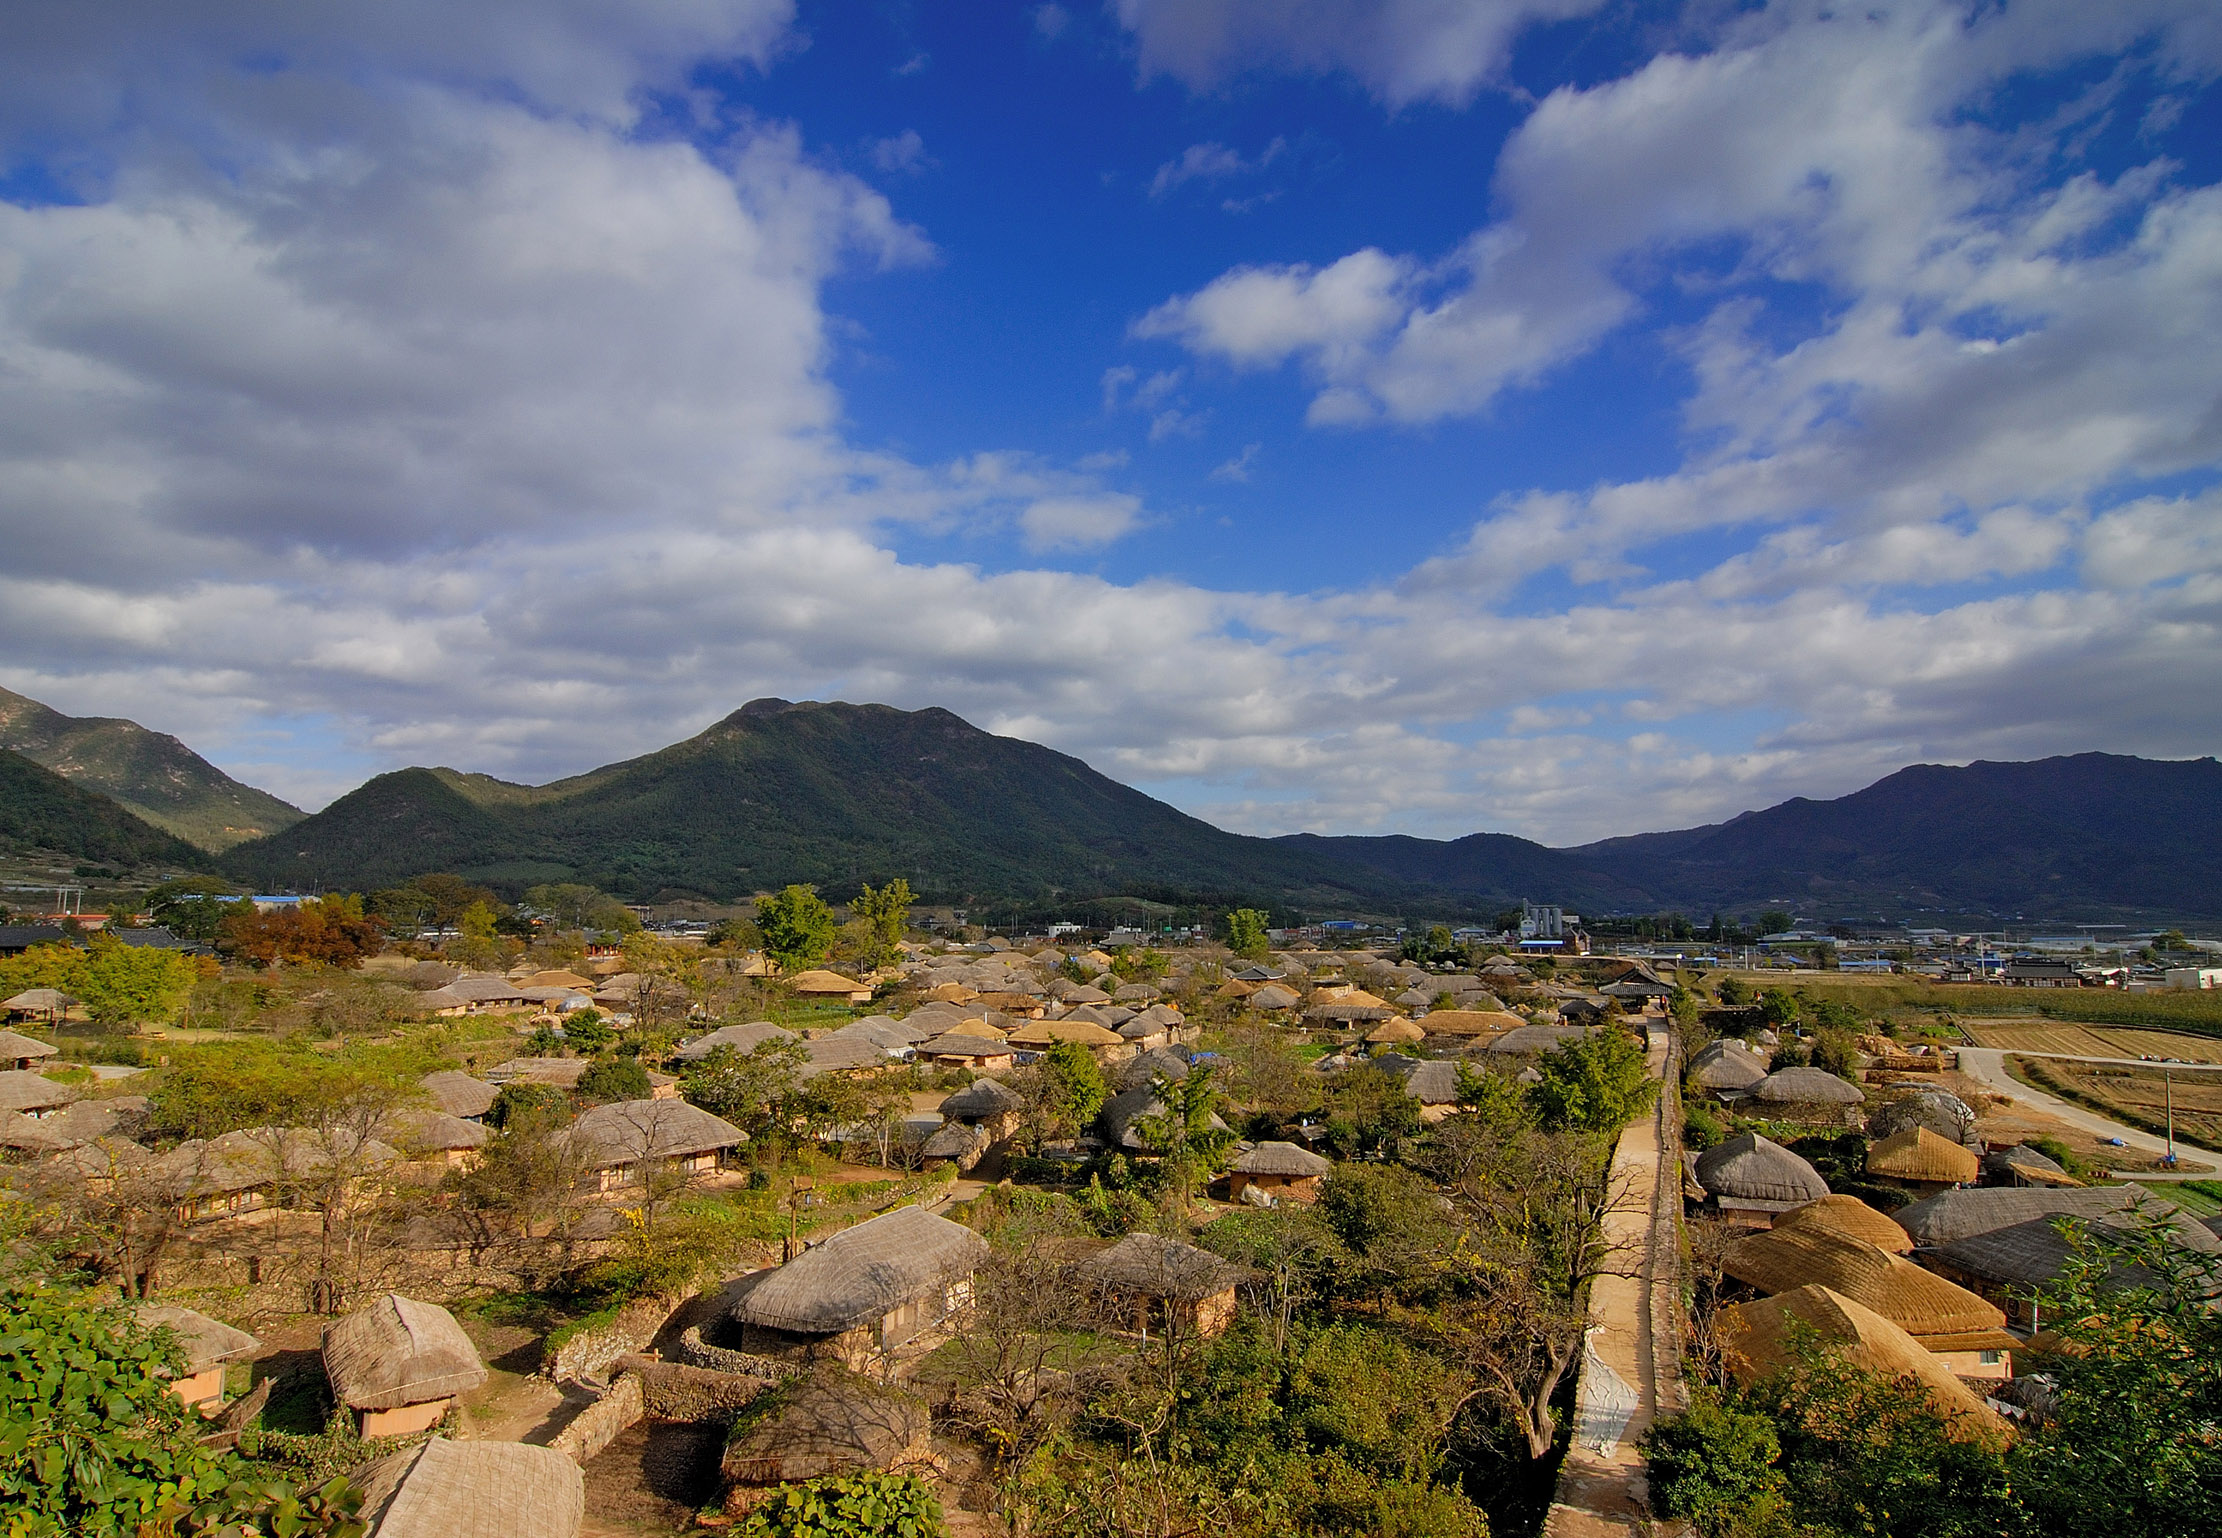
{"type": "Point", "coordinates": [1987, 1067]}
{"type": "Point", "coordinates": [1631, 1369]}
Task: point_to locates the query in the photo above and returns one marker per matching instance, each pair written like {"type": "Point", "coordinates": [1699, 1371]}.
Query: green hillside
{"type": "Point", "coordinates": [828, 793]}
{"type": "Point", "coordinates": [41, 810]}
{"type": "Point", "coordinates": [152, 773]}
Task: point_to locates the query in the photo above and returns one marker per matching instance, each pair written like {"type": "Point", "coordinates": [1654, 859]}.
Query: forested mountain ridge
{"type": "Point", "coordinates": [151, 774]}
{"type": "Point", "coordinates": [41, 810]}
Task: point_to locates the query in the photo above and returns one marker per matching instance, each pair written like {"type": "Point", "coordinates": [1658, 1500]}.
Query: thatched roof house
{"type": "Point", "coordinates": [1939, 1110]}
{"type": "Point", "coordinates": [1389, 1032]}
{"type": "Point", "coordinates": [821, 984]}
{"type": "Point", "coordinates": [1272, 998]}
{"type": "Point", "coordinates": [207, 1345]}
{"type": "Point", "coordinates": [835, 1053]}
{"type": "Point", "coordinates": [31, 1093]}
{"type": "Point", "coordinates": [1753, 1174]}
{"type": "Point", "coordinates": [743, 1039]}
{"type": "Point", "coordinates": [1945, 1317]}
{"type": "Point", "coordinates": [1918, 1157]}
{"type": "Point", "coordinates": [437, 1135]}
{"type": "Point", "coordinates": [1355, 1004]}
{"type": "Point", "coordinates": [829, 1422]}
{"type": "Point", "coordinates": [18, 1051]}
{"type": "Point", "coordinates": [2022, 1165]}
{"type": "Point", "coordinates": [620, 1140]}
{"type": "Point", "coordinates": [399, 1364]}
{"type": "Point", "coordinates": [1806, 1086]}
{"type": "Point", "coordinates": [1954, 1215]}
{"type": "Point", "coordinates": [444, 1489]}
{"type": "Point", "coordinates": [868, 1287]}
{"type": "Point", "coordinates": [1470, 1024]}
{"type": "Point", "coordinates": [1727, 1064]}
{"type": "Point", "coordinates": [458, 1094]}
{"type": "Point", "coordinates": [1537, 1038]}
{"type": "Point", "coordinates": [1279, 1170]}
{"type": "Point", "coordinates": [955, 1142]}
{"type": "Point", "coordinates": [1761, 1339]}
{"type": "Point", "coordinates": [983, 1101]}
{"type": "Point", "coordinates": [1040, 1035]}
{"type": "Point", "coordinates": [1432, 1081]}
{"type": "Point", "coordinates": [1126, 1114]}
{"type": "Point", "coordinates": [1147, 1281]}
{"type": "Point", "coordinates": [1145, 1068]}
{"type": "Point", "coordinates": [1847, 1217]}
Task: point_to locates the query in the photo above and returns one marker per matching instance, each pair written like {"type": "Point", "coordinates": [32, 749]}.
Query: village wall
{"type": "Point", "coordinates": [590, 1353]}
{"type": "Point", "coordinates": [603, 1421]}
{"type": "Point", "coordinates": [693, 1351]}
{"type": "Point", "coordinates": [673, 1391]}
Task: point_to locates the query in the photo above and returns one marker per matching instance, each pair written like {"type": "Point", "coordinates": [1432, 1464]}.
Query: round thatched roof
{"type": "Point", "coordinates": [832, 1422]}
{"type": "Point", "coordinates": [1470, 1022]}
{"type": "Point", "coordinates": [1761, 1339]}
{"type": "Point", "coordinates": [1537, 1038]}
{"type": "Point", "coordinates": [983, 1098]}
{"type": "Point", "coordinates": [1753, 1168]}
{"type": "Point", "coordinates": [1157, 1267]}
{"type": "Point", "coordinates": [1278, 1158]}
{"type": "Point", "coordinates": [1728, 1064]}
{"type": "Point", "coordinates": [1850, 1218]}
{"type": "Point", "coordinates": [205, 1341]}
{"type": "Point", "coordinates": [22, 1089]}
{"type": "Point", "coordinates": [399, 1352]}
{"type": "Point", "coordinates": [1807, 1086]}
{"type": "Point", "coordinates": [1395, 1030]}
{"type": "Point", "coordinates": [2025, 1165]}
{"type": "Point", "coordinates": [1273, 996]}
{"type": "Point", "coordinates": [1919, 1154]}
{"type": "Point", "coordinates": [862, 1273]}
{"type": "Point", "coordinates": [14, 1045]}
{"type": "Point", "coordinates": [458, 1094]}
{"type": "Point", "coordinates": [1919, 1302]}
{"type": "Point", "coordinates": [444, 1489]}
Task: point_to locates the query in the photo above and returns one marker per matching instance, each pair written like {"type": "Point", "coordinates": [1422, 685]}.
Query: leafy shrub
{"type": "Point", "coordinates": [1701, 1129]}
{"type": "Point", "coordinates": [849, 1506]}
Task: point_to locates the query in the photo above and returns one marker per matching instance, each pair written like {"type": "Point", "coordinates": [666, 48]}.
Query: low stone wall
{"type": "Point", "coordinates": [590, 1353]}
{"type": "Point", "coordinates": [603, 1421]}
{"type": "Point", "coordinates": [673, 1392]}
{"type": "Point", "coordinates": [693, 1351]}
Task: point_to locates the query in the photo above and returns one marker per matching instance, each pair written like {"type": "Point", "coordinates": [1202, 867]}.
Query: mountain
{"type": "Point", "coordinates": [778, 792]}
{"type": "Point", "coordinates": [837, 794]}
{"type": "Point", "coordinates": [41, 810]}
{"type": "Point", "coordinates": [153, 774]}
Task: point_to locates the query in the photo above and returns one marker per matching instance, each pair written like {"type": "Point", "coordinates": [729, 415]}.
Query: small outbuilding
{"type": "Point", "coordinates": [1750, 1178]}
{"type": "Point", "coordinates": [444, 1489]}
{"type": "Point", "coordinates": [987, 1104]}
{"type": "Point", "coordinates": [207, 1345]}
{"type": "Point", "coordinates": [1920, 1161]}
{"type": "Point", "coordinates": [1148, 1282]}
{"type": "Point", "coordinates": [2022, 1165]}
{"type": "Point", "coordinates": [18, 1051]}
{"type": "Point", "coordinates": [622, 1143]}
{"type": "Point", "coordinates": [1280, 1170]}
{"type": "Point", "coordinates": [399, 1365]}
{"type": "Point", "coordinates": [866, 1289]}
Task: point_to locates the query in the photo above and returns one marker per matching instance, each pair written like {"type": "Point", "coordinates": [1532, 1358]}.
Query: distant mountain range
{"type": "Point", "coordinates": [837, 794]}
{"type": "Point", "coordinates": [39, 810]}
{"type": "Point", "coordinates": [154, 775]}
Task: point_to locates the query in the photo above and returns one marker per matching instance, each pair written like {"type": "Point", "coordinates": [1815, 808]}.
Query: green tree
{"type": "Point", "coordinates": [1184, 1130]}
{"type": "Point", "coordinates": [1246, 933]}
{"type": "Point", "coordinates": [617, 1078]}
{"type": "Point", "coordinates": [1774, 921]}
{"type": "Point", "coordinates": [1071, 1087]}
{"type": "Point", "coordinates": [798, 928]}
{"type": "Point", "coordinates": [191, 906]}
{"type": "Point", "coordinates": [575, 905]}
{"type": "Point", "coordinates": [886, 910]}
{"type": "Point", "coordinates": [1713, 1466]}
{"type": "Point", "coordinates": [519, 1103]}
{"type": "Point", "coordinates": [1596, 1083]}
{"type": "Point", "coordinates": [119, 984]}
{"type": "Point", "coordinates": [586, 1030]}
{"type": "Point", "coordinates": [755, 1090]}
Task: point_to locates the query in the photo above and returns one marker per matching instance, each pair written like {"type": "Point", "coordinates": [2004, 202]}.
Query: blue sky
{"type": "Point", "coordinates": [1552, 416]}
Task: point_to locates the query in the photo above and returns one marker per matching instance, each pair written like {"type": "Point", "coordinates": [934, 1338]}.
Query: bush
{"type": "Point", "coordinates": [1714, 1465]}
{"type": "Point", "coordinates": [849, 1506]}
{"type": "Point", "coordinates": [619, 1079]}
{"type": "Point", "coordinates": [1701, 1129]}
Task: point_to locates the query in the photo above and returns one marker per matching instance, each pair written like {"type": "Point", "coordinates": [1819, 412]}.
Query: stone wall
{"type": "Point", "coordinates": [693, 1351]}
{"type": "Point", "coordinates": [603, 1421]}
{"type": "Point", "coordinates": [674, 1392]}
{"type": "Point", "coordinates": [590, 1353]}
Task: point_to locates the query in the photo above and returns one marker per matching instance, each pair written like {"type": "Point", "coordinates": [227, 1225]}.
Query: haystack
{"type": "Point", "coordinates": [443, 1489]}
{"type": "Point", "coordinates": [1761, 1339]}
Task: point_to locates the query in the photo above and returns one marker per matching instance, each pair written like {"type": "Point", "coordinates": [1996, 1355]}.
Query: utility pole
{"type": "Point", "coordinates": [2169, 1080]}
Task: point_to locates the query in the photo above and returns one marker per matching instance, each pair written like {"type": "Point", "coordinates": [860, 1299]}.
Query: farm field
{"type": "Point", "coordinates": [2138, 1096]}
{"type": "Point", "coordinates": [2021, 1035]}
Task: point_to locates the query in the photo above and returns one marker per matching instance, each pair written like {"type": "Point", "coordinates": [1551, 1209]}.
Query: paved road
{"type": "Point", "coordinates": [1987, 1066]}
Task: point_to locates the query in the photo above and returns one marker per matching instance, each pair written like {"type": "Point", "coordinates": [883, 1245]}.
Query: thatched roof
{"type": "Point", "coordinates": [886, 1034]}
{"type": "Point", "coordinates": [459, 1094]}
{"type": "Point", "coordinates": [1395, 1030]}
{"type": "Point", "coordinates": [743, 1039]}
{"type": "Point", "coordinates": [831, 1422]}
{"type": "Point", "coordinates": [1919, 1302]}
{"type": "Point", "coordinates": [1047, 1033]}
{"type": "Point", "coordinates": [1919, 1154]}
{"type": "Point", "coordinates": [1469, 1022]}
{"type": "Point", "coordinates": [1137, 993]}
{"type": "Point", "coordinates": [2029, 1255]}
{"type": "Point", "coordinates": [24, 1089]}
{"type": "Point", "coordinates": [436, 1132]}
{"type": "Point", "coordinates": [1848, 1217]}
{"type": "Point", "coordinates": [1144, 1068]}
{"type": "Point", "coordinates": [556, 1072]}
{"type": "Point", "coordinates": [205, 1341]}
{"type": "Point", "coordinates": [862, 1273]}
{"type": "Point", "coordinates": [14, 1045]}
{"type": "Point", "coordinates": [1357, 1004]}
{"type": "Point", "coordinates": [1430, 1081]}
{"type": "Point", "coordinates": [1761, 1339]}
{"type": "Point", "coordinates": [260, 1156]}
{"type": "Point", "coordinates": [443, 1489]}
{"type": "Point", "coordinates": [835, 1053]}
{"type": "Point", "coordinates": [628, 1131]}
{"type": "Point", "coordinates": [955, 1140]}
{"type": "Point", "coordinates": [1281, 1159]}
{"type": "Point", "coordinates": [1941, 1111]}
{"type": "Point", "coordinates": [2024, 1165]}
{"type": "Point", "coordinates": [1085, 995]}
{"type": "Point", "coordinates": [1274, 996]}
{"type": "Point", "coordinates": [1727, 1064]}
{"type": "Point", "coordinates": [399, 1352]}
{"type": "Point", "coordinates": [101, 1159]}
{"type": "Point", "coordinates": [1806, 1086]}
{"type": "Point", "coordinates": [1123, 1112]}
{"type": "Point", "coordinates": [821, 981]}
{"type": "Point", "coordinates": [32, 1134]}
{"type": "Point", "coordinates": [1753, 1168]}
{"type": "Point", "coordinates": [983, 1098]}
{"type": "Point", "coordinates": [1537, 1038]}
{"type": "Point", "coordinates": [1954, 1215]}
{"type": "Point", "coordinates": [1157, 1267]}
{"type": "Point", "coordinates": [967, 1045]}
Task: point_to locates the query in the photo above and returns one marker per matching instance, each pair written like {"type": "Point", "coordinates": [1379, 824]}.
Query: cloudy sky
{"type": "Point", "coordinates": [1565, 417]}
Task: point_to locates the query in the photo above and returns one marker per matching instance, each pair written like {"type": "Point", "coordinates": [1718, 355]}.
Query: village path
{"type": "Point", "coordinates": [1987, 1066]}
{"type": "Point", "coordinates": [1631, 1367]}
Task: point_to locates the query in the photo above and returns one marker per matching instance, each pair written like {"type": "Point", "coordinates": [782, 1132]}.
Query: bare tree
{"type": "Point", "coordinates": [1024, 1301]}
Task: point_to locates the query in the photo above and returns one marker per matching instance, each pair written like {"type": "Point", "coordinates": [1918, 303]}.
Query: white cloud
{"type": "Point", "coordinates": [1401, 50]}
{"type": "Point", "coordinates": [1256, 317]}
{"type": "Point", "coordinates": [1238, 468]}
{"type": "Point", "coordinates": [1056, 523]}
{"type": "Point", "coordinates": [902, 153]}
{"type": "Point", "coordinates": [1210, 162]}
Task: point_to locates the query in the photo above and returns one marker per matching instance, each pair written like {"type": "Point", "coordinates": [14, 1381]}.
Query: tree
{"type": "Point", "coordinates": [755, 1090]}
{"type": "Point", "coordinates": [1597, 1083]}
{"type": "Point", "coordinates": [523, 1192]}
{"type": "Point", "coordinates": [620, 1078]}
{"type": "Point", "coordinates": [1071, 1089]}
{"type": "Point", "coordinates": [333, 930]}
{"type": "Point", "coordinates": [1182, 1130]}
{"type": "Point", "coordinates": [119, 984]}
{"type": "Point", "coordinates": [587, 1031]}
{"type": "Point", "coordinates": [574, 905]}
{"type": "Point", "coordinates": [93, 1443]}
{"type": "Point", "coordinates": [886, 910]}
{"type": "Point", "coordinates": [1774, 921]}
{"type": "Point", "coordinates": [192, 907]}
{"type": "Point", "coordinates": [1246, 933]}
{"type": "Point", "coordinates": [520, 1101]}
{"type": "Point", "coordinates": [798, 928]}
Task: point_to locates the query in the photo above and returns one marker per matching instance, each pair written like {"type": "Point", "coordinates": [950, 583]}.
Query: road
{"type": "Point", "coordinates": [1987, 1066]}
